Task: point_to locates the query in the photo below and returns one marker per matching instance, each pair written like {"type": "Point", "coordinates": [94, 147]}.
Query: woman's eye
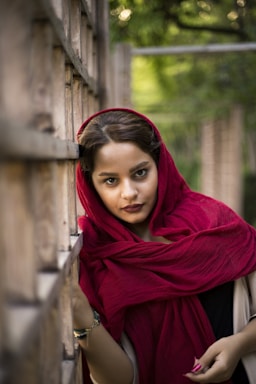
{"type": "Point", "coordinates": [141, 173]}
{"type": "Point", "coordinates": [110, 181]}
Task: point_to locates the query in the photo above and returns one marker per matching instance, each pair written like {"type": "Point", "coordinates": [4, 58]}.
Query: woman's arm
{"type": "Point", "coordinates": [221, 358]}
{"type": "Point", "coordinates": [107, 362]}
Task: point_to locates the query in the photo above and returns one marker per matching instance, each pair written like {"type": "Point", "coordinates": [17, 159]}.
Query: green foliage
{"type": "Point", "coordinates": [181, 91]}
{"type": "Point", "coordinates": [182, 141]}
{"type": "Point", "coordinates": [200, 86]}
{"type": "Point", "coordinates": [154, 22]}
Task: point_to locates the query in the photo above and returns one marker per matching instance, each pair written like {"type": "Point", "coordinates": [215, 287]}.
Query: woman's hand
{"type": "Point", "coordinates": [220, 360]}
{"type": "Point", "coordinates": [107, 361]}
{"type": "Point", "coordinates": [82, 311]}
{"type": "Point", "coordinates": [218, 363]}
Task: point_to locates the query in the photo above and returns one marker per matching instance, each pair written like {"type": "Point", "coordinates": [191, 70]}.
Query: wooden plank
{"type": "Point", "coordinates": [50, 347]}
{"type": "Point", "coordinates": [77, 102]}
{"type": "Point", "coordinates": [69, 102]}
{"type": "Point", "coordinates": [3, 378]}
{"type": "Point", "coordinates": [63, 207]}
{"type": "Point", "coordinates": [208, 158]}
{"type": "Point", "coordinates": [70, 166]}
{"type": "Point", "coordinates": [49, 284]}
{"type": "Point", "coordinates": [20, 265]}
{"type": "Point", "coordinates": [19, 142]}
{"type": "Point", "coordinates": [81, 110]}
{"type": "Point", "coordinates": [68, 372]}
{"type": "Point", "coordinates": [196, 49]}
{"type": "Point", "coordinates": [93, 104]}
{"type": "Point", "coordinates": [66, 19]}
{"type": "Point", "coordinates": [27, 369]}
{"type": "Point", "coordinates": [23, 322]}
{"type": "Point", "coordinates": [58, 7]}
{"type": "Point", "coordinates": [85, 104]}
{"type": "Point", "coordinates": [221, 159]}
{"type": "Point", "coordinates": [95, 59]}
{"type": "Point", "coordinates": [72, 372]}
{"type": "Point", "coordinates": [15, 32]}
{"type": "Point", "coordinates": [79, 369]}
{"type": "Point", "coordinates": [250, 137]}
{"type": "Point", "coordinates": [42, 40]}
{"type": "Point", "coordinates": [232, 167]}
{"type": "Point", "coordinates": [22, 328]}
{"type": "Point", "coordinates": [84, 32]}
{"type": "Point", "coordinates": [90, 51]}
{"type": "Point", "coordinates": [103, 62]}
{"type": "Point", "coordinates": [67, 319]}
{"type": "Point", "coordinates": [67, 46]}
{"type": "Point", "coordinates": [2, 261]}
{"type": "Point", "coordinates": [75, 14]}
{"type": "Point", "coordinates": [51, 329]}
{"type": "Point", "coordinates": [58, 90]}
{"type": "Point", "coordinates": [122, 76]}
{"type": "Point", "coordinates": [94, 7]}
{"type": "Point", "coordinates": [2, 304]}
{"type": "Point", "coordinates": [44, 197]}
{"type": "Point", "coordinates": [67, 258]}
{"type": "Point", "coordinates": [72, 207]}
{"type": "Point", "coordinates": [87, 9]}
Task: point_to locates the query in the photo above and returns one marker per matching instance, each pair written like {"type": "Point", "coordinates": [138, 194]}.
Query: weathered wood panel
{"type": "Point", "coordinates": [44, 200]}
{"type": "Point", "coordinates": [18, 217]}
{"type": "Point", "coordinates": [221, 173]}
{"type": "Point", "coordinates": [49, 72]}
{"type": "Point", "coordinates": [121, 76]}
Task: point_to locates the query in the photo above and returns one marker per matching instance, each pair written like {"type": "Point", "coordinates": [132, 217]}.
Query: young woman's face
{"type": "Point", "coordinates": [126, 180]}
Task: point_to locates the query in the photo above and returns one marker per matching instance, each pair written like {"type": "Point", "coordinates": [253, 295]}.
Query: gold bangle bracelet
{"type": "Point", "coordinates": [84, 332]}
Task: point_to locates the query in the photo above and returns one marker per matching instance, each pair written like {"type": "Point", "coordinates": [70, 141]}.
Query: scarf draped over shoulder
{"type": "Point", "coordinates": [149, 289]}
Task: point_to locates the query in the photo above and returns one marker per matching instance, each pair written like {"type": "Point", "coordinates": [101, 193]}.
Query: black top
{"type": "Point", "coordinates": [218, 305]}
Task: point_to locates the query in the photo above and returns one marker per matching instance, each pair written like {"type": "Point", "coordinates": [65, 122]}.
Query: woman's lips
{"type": "Point", "coordinates": [132, 208]}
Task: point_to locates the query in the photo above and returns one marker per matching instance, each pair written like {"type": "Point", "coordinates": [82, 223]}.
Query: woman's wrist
{"type": "Point", "coordinates": [83, 317]}
{"type": "Point", "coordinates": [82, 333]}
{"type": "Point", "coordinates": [246, 339]}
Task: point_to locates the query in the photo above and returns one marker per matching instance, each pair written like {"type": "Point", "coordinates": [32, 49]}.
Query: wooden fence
{"type": "Point", "coordinates": [53, 74]}
{"type": "Point", "coordinates": [221, 159]}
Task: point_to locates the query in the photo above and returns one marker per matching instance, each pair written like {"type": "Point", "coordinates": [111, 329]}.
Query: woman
{"type": "Point", "coordinates": [164, 267]}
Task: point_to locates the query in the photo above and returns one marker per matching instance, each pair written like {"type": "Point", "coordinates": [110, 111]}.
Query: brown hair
{"type": "Point", "coordinates": [117, 126]}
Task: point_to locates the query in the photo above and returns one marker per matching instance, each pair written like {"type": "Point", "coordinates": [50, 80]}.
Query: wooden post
{"type": "Point", "coordinates": [44, 200]}
{"type": "Point", "coordinates": [15, 68]}
{"type": "Point", "coordinates": [103, 62]}
{"type": "Point", "coordinates": [235, 129]}
{"type": "Point", "coordinates": [76, 26]}
{"type": "Point", "coordinates": [42, 76]}
{"type": "Point", "coordinates": [58, 93]}
{"type": "Point", "coordinates": [208, 159]}
{"type": "Point", "coordinates": [221, 175]}
{"type": "Point", "coordinates": [121, 76]}
{"type": "Point", "coordinates": [18, 234]}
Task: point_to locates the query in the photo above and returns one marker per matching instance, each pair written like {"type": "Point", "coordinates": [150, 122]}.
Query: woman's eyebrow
{"type": "Point", "coordinates": [108, 174]}
{"type": "Point", "coordinates": [133, 169]}
{"type": "Point", "coordinates": [139, 166]}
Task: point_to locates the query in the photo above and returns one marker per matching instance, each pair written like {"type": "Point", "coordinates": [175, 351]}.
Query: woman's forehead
{"type": "Point", "coordinates": [118, 155]}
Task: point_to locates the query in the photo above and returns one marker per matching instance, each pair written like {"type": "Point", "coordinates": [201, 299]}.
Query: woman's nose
{"type": "Point", "coordinates": [129, 190]}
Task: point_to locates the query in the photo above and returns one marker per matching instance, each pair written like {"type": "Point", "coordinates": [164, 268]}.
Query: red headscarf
{"type": "Point", "coordinates": [149, 289]}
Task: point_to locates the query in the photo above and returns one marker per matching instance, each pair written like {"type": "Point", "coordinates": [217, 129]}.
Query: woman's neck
{"type": "Point", "coordinates": [143, 232]}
